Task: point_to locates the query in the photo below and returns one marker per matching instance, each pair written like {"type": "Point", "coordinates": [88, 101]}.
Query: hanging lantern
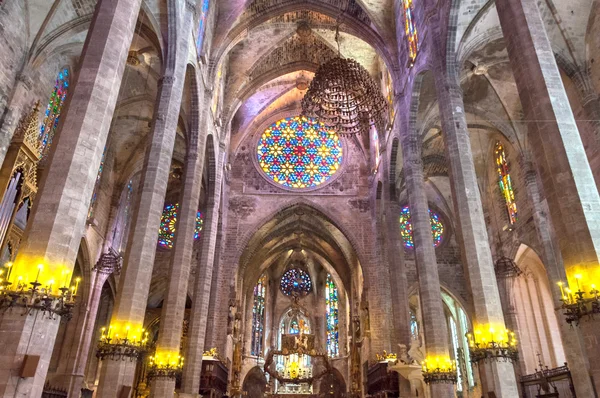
{"type": "Point", "coordinates": [345, 98]}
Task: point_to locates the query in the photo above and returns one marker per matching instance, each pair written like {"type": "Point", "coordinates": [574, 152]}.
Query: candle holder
{"type": "Point", "coordinates": [38, 297]}
{"type": "Point", "coordinates": [115, 348]}
{"type": "Point", "coordinates": [579, 305]}
{"type": "Point", "coordinates": [493, 346]}
{"type": "Point", "coordinates": [165, 368]}
{"type": "Point", "coordinates": [439, 370]}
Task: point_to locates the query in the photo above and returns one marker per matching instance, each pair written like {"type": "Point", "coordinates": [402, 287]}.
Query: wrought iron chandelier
{"type": "Point", "coordinates": [344, 97]}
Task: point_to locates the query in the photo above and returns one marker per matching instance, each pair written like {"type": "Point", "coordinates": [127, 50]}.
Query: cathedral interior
{"type": "Point", "coordinates": [299, 198]}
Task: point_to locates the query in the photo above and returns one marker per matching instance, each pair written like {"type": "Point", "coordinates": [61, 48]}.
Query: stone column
{"type": "Point", "coordinates": [498, 377]}
{"type": "Point", "coordinates": [130, 305]}
{"type": "Point", "coordinates": [558, 152]}
{"type": "Point", "coordinates": [198, 318]}
{"type": "Point", "coordinates": [171, 320]}
{"type": "Point", "coordinates": [78, 335]}
{"type": "Point", "coordinates": [572, 339]}
{"type": "Point", "coordinates": [434, 321]}
{"type": "Point", "coordinates": [58, 218]}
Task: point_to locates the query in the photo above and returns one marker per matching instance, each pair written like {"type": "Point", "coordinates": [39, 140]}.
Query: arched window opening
{"type": "Point", "coordinates": [410, 30]}
{"type": "Point", "coordinates": [505, 182]}
{"type": "Point", "coordinates": [458, 327]}
{"type": "Point", "coordinates": [332, 316]}
{"type": "Point", "coordinates": [96, 185]}
{"type": "Point", "coordinates": [258, 316]}
{"type": "Point", "coordinates": [406, 229]}
{"type": "Point", "coordinates": [53, 111]}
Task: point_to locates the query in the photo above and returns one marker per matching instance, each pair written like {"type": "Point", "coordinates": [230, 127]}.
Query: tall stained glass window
{"type": "Point", "coordinates": [406, 230]}
{"type": "Point", "coordinates": [97, 185]}
{"type": "Point", "coordinates": [376, 148]}
{"type": "Point", "coordinates": [202, 25]}
{"type": "Point", "coordinates": [389, 93]}
{"type": "Point", "coordinates": [258, 316]}
{"type": "Point", "coordinates": [299, 152]}
{"type": "Point", "coordinates": [332, 316]}
{"type": "Point", "coordinates": [505, 182]}
{"type": "Point", "coordinates": [123, 224]}
{"type": "Point", "coordinates": [168, 221]}
{"type": "Point", "coordinates": [55, 106]}
{"type": "Point", "coordinates": [410, 30]}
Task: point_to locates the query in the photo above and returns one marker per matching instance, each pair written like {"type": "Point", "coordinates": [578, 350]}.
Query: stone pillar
{"type": "Point", "coordinates": [434, 321]}
{"type": "Point", "coordinates": [558, 152]}
{"type": "Point", "coordinates": [171, 320]}
{"type": "Point", "coordinates": [497, 377]}
{"type": "Point", "coordinates": [130, 305]}
{"type": "Point", "coordinates": [58, 218]}
{"type": "Point", "coordinates": [572, 339]}
{"type": "Point", "coordinates": [198, 318]}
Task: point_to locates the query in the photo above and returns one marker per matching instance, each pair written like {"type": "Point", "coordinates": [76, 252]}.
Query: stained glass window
{"type": "Point", "coordinates": [55, 106]}
{"type": "Point", "coordinates": [376, 148]}
{"type": "Point", "coordinates": [168, 221]}
{"type": "Point", "coordinates": [437, 228]}
{"type": "Point", "coordinates": [97, 185]}
{"type": "Point", "coordinates": [294, 327]}
{"type": "Point", "coordinates": [299, 152]}
{"type": "Point", "coordinates": [414, 325]}
{"type": "Point", "coordinates": [202, 25]}
{"type": "Point", "coordinates": [505, 182]}
{"type": "Point", "coordinates": [389, 90]}
{"type": "Point", "coordinates": [258, 316]}
{"type": "Point", "coordinates": [296, 282]}
{"type": "Point", "coordinates": [332, 316]}
{"type": "Point", "coordinates": [410, 29]}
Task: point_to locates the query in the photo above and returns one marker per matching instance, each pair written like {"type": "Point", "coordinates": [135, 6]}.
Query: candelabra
{"type": "Point", "coordinates": [579, 304]}
{"type": "Point", "coordinates": [165, 366]}
{"type": "Point", "coordinates": [439, 370]}
{"type": "Point", "coordinates": [487, 344]}
{"type": "Point", "coordinates": [47, 298]}
{"type": "Point", "coordinates": [121, 348]}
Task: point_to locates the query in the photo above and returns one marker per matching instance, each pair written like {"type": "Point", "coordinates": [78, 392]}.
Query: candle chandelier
{"type": "Point", "coordinates": [487, 344]}
{"type": "Point", "coordinates": [439, 370]}
{"type": "Point", "coordinates": [121, 342]}
{"type": "Point", "coordinates": [579, 304]}
{"type": "Point", "coordinates": [344, 97]}
{"type": "Point", "coordinates": [53, 298]}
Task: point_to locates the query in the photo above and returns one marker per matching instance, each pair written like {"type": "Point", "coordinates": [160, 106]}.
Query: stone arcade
{"type": "Point", "coordinates": [299, 198]}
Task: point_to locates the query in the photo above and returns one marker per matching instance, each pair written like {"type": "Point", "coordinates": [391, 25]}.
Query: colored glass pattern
{"type": "Point", "coordinates": [437, 228]}
{"type": "Point", "coordinates": [505, 182]}
{"type": "Point", "coordinates": [55, 106]}
{"type": "Point", "coordinates": [414, 325]}
{"type": "Point", "coordinates": [294, 327]}
{"type": "Point", "coordinates": [97, 185]}
{"type": "Point", "coordinates": [332, 316]}
{"type": "Point", "coordinates": [168, 221]}
{"type": "Point", "coordinates": [376, 148]}
{"type": "Point", "coordinates": [296, 282]}
{"type": "Point", "coordinates": [202, 25]}
{"type": "Point", "coordinates": [258, 316]}
{"type": "Point", "coordinates": [410, 30]}
{"type": "Point", "coordinates": [299, 152]}
{"type": "Point", "coordinates": [389, 90]}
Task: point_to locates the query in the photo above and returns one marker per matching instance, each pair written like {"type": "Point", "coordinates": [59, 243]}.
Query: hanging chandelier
{"type": "Point", "coordinates": [344, 97]}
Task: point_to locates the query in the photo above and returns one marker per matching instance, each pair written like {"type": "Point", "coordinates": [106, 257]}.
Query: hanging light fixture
{"type": "Point", "coordinates": [344, 97]}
